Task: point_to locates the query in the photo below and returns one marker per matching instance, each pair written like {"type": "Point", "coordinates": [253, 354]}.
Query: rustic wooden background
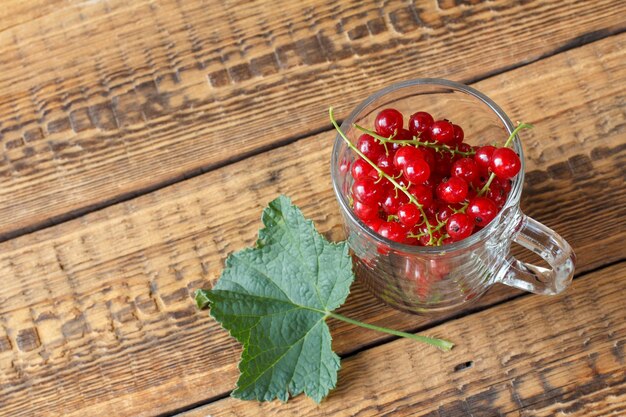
{"type": "Point", "coordinates": [140, 140]}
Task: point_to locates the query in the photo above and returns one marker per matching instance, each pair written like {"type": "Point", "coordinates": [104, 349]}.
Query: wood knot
{"type": "Point", "coordinates": [463, 366]}
{"type": "Point", "coordinates": [28, 339]}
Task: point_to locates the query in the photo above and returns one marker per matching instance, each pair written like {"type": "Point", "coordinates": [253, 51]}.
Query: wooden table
{"type": "Point", "coordinates": [140, 140]}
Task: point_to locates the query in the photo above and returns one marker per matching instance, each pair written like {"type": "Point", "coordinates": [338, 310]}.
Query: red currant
{"type": "Point", "coordinates": [496, 193]}
{"type": "Point", "coordinates": [392, 231]}
{"type": "Point", "coordinates": [505, 163]}
{"type": "Point", "coordinates": [459, 226]}
{"type": "Point", "coordinates": [387, 122]}
{"type": "Point", "coordinates": [370, 147]}
{"type": "Point", "coordinates": [360, 169]}
{"type": "Point", "coordinates": [454, 190]}
{"type": "Point", "coordinates": [365, 212]}
{"type": "Point", "coordinates": [374, 224]}
{"type": "Point", "coordinates": [471, 193]}
{"type": "Point", "coordinates": [443, 163]}
{"type": "Point", "coordinates": [423, 194]}
{"type": "Point", "coordinates": [442, 131]}
{"type": "Point", "coordinates": [458, 134]}
{"type": "Point", "coordinates": [385, 162]}
{"type": "Point", "coordinates": [368, 191]}
{"type": "Point", "coordinates": [428, 155]}
{"type": "Point", "coordinates": [466, 169]}
{"type": "Point", "coordinates": [409, 215]}
{"type": "Point", "coordinates": [403, 134]}
{"type": "Point", "coordinates": [406, 153]}
{"type": "Point", "coordinates": [482, 210]}
{"type": "Point", "coordinates": [417, 171]}
{"type": "Point", "coordinates": [483, 157]}
{"type": "Point", "coordinates": [384, 182]}
{"type": "Point", "coordinates": [393, 200]}
{"type": "Point", "coordinates": [419, 125]}
{"type": "Point", "coordinates": [444, 213]}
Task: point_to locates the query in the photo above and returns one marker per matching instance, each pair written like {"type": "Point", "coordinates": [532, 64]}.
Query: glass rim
{"type": "Point", "coordinates": [482, 234]}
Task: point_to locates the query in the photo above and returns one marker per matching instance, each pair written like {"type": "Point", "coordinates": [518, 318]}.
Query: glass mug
{"type": "Point", "coordinates": [425, 280]}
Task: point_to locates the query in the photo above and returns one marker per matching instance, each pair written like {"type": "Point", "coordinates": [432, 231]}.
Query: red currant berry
{"type": "Point", "coordinates": [419, 125]}
{"type": "Point", "coordinates": [483, 157]}
{"type": "Point", "coordinates": [443, 163]}
{"type": "Point", "coordinates": [393, 200]}
{"type": "Point", "coordinates": [496, 193]}
{"type": "Point", "coordinates": [384, 182]}
{"type": "Point", "coordinates": [360, 169]}
{"type": "Point", "coordinates": [431, 212]}
{"type": "Point", "coordinates": [403, 134]}
{"type": "Point", "coordinates": [368, 191]}
{"type": "Point", "coordinates": [405, 153]}
{"type": "Point", "coordinates": [392, 231]}
{"type": "Point", "coordinates": [481, 210]}
{"type": "Point", "coordinates": [423, 194]}
{"type": "Point", "coordinates": [409, 215]}
{"type": "Point", "coordinates": [444, 213]}
{"type": "Point", "coordinates": [454, 190]}
{"type": "Point", "coordinates": [505, 163]}
{"type": "Point", "coordinates": [374, 224]}
{"type": "Point", "coordinates": [365, 212]}
{"type": "Point", "coordinates": [466, 169]}
{"type": "Point", "coordinates": [385, 162]}
{"type": "Point", "coordinates": [387, 122]}
{"type": "Point", "coordinates": [442, 131]}
{"type": "Point", "coordinates": [428, 155]}
{"type": "Point", "coordinates": [471, 193]}
{"type": "Point", "coordinates": [459, 226]}
{"type": "Point", "coordinates": [417, 171]}
{"type": "Point", "coordinates": [370, 148]}
{"type": "Point", "coordinates": [434, 180]}
{"type": "Point", "coordinates": [505, 184]}
{"type": "Point", "coordinates": [458, 134]}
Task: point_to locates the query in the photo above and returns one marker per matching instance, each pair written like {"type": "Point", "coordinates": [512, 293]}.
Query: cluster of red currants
{"type": "Point", "coordinates": [422, 185]}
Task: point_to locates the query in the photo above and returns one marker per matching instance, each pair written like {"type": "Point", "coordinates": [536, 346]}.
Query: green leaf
{"type": "Point", "coordinates": [275, 298]}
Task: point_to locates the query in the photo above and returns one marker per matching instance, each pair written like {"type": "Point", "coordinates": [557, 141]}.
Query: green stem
{"type": "Point", "coordinates": [519, 127]}
{"type": "Point", "coordinates": [382, 174]}
{"type": "Point", "coordinates": [508, 143]}
{"type": "Point", "coordinates": [439, 343]}
{"type": "Point", "coordinates": [415, 141]}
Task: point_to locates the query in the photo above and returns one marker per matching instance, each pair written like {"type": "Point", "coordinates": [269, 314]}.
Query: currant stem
{"type": "Point", "coordinates": [382, 174]}
{"type": "Point", "coordinates": [444, 345]}
{"type": "Point", "coordinates": [415, 141]}
{"type": "Point", "coordinates": [507, 144]}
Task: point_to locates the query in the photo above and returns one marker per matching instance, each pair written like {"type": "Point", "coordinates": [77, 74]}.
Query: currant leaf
{"type": "Point", "coordinates": [275, 298]}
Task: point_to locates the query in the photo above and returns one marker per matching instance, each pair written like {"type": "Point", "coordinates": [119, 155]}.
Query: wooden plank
{"type": "Point", "coordinates": [95, 314]}
{"type": "Point", "coordinates": [534, 356]}
{"type": "Point", "coordinates": [103, 100]}
{"type": "Point", "coordinates": [15, 13]}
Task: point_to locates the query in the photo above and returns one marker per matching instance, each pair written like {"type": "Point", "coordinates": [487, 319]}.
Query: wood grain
{"type": "Point", "coordinates": [95, 313]}
{"type": "Point", "coordinates": [102, 100]}
{"type": "Point", "coordinates": [530, 357]}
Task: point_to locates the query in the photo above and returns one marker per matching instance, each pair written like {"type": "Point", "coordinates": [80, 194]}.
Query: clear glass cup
{"type": "Point", "coordinates": [437, 279]}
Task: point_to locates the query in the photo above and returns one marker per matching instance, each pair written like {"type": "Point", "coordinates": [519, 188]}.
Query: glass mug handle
{"type": "Point", "coordinates": [546, 243]}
